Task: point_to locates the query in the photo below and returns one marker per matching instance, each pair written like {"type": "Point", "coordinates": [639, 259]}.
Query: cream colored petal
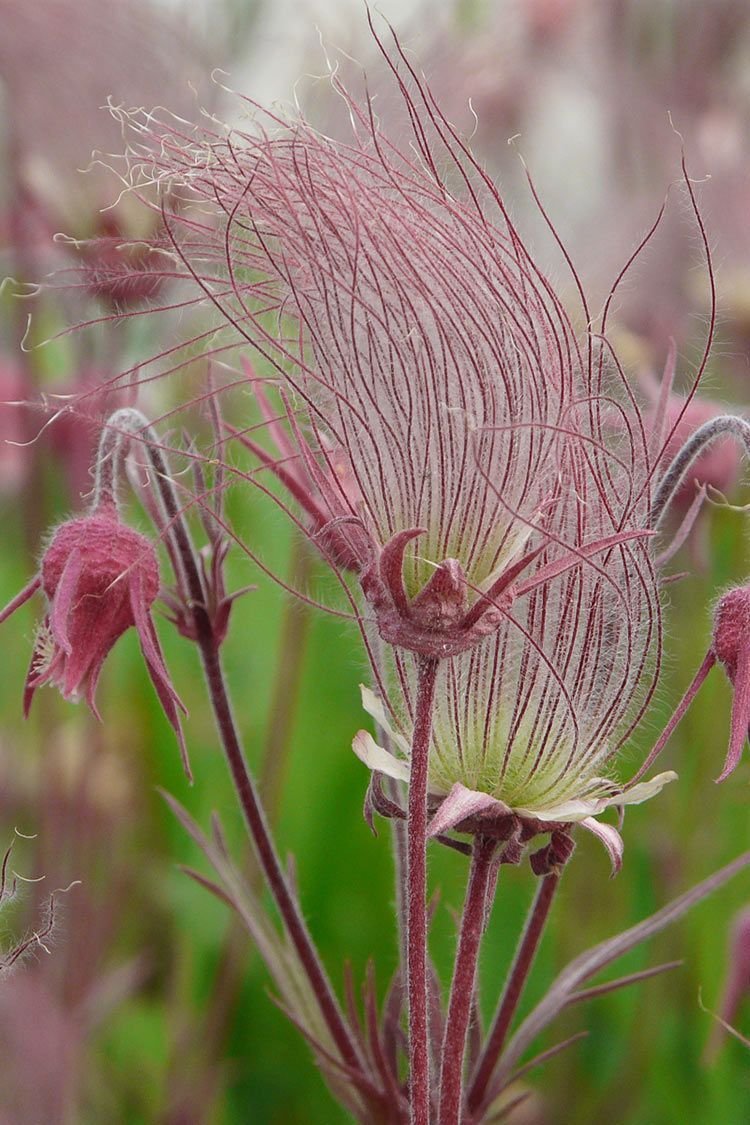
{"type": "Point", "coordinates": [566, 811]}
{"type": "Point", "coordinates": [643, 791]}
{"type": "Point", "coordinates": [376, 758]}
{"type": "Point", "coordinates": [581, 807]}
{"type": "Point", "coordinates": [374, 707]}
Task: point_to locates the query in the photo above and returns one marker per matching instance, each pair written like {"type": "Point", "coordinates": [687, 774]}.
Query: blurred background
{"type": "Point", "coordinates": [150, 1004]}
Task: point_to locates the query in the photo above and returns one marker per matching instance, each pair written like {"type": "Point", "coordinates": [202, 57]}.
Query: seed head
{"type": "Point", "coordinates": [486, 445]}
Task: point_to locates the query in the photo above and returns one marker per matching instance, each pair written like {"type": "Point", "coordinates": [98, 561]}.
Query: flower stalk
{"type": "Point", "coordinates": [189, 575]}
{"type": "Point", "coordinates": [463, 988]}
{"type": "Point", "coordinates": [416, 868]}
{"type": "Point", "coordinates": [726, 425]}
{"type": "Point", "coordinates": [514, 986]}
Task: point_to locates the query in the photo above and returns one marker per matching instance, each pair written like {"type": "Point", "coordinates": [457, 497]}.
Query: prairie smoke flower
{"type": "Point", "coordinates": [526, 726]}
{"type": "Point", "coordinates": [498, 474]}
{"type": "Point", "coordinates": [486, 448]}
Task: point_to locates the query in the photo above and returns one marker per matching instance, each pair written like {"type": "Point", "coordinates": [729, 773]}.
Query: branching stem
{"type": "Point", "coordinates": [128, 420]}
{"type": "Point", "coordinates": [517, 977]}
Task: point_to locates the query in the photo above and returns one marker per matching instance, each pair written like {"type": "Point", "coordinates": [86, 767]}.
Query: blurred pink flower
{"type": "Point", "coordinates": [325, 488]}
{"type": "Point", "coordinates": [60, 62]}
{"type": "Point", "coordinates": [116, 269]}
{"type": "Point", "coordinates": [85, 402]}
{"type": "Point", "coordinates": [731, 647]}
{"type": "Point", "coordinates": [736, 983]}
{"type": "Point", "coordinates": [42, 1046]}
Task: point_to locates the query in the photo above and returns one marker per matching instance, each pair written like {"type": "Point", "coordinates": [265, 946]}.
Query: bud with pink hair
{"type": "Point", "coordinates": [100, 578]}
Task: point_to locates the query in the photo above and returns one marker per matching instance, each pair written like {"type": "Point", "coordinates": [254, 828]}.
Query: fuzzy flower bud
{"type": "Point", "coordinates": [100, 577]}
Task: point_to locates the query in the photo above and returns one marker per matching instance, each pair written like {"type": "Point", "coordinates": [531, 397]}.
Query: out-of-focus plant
{"type": "Point", "coordinates": [736, 984]}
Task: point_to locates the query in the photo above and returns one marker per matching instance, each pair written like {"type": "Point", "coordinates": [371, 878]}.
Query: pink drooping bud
{"type": "Point", "coordinates": [731, 647]}
{"type": "Point", "coordinates": [100, 577]}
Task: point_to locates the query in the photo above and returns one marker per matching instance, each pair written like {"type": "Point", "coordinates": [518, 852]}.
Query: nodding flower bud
{"type": "Point", "coordinates": [100, 577]}
{"type": "Point", "coordinates": [731, 647]}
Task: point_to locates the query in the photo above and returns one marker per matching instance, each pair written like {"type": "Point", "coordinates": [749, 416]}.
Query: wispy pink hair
{"type": "Point", "coordinates": [388, 289]}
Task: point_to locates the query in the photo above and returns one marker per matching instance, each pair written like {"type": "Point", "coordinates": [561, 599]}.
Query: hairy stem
{"type": "Point", "coordinates": [266, 853]}
{"type": "Point", "coordinates": [132, 421]}
{"type": "Point", "coordinates": [461, 1003]}
{"type": "Point", "coordinates": [514, 985]}
{"type": "Point", "coordinates": [399, 846]}
{"type": "Point", "coordinates": [726, 425]}
{"type": "Point", "coordinates": [397, 829]}
{"type": "Point", "coordinates": [416, 919]}
{"type": "Point", "coordinates": [216, 1025]}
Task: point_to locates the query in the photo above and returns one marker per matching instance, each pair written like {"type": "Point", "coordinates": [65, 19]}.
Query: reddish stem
{"type": "Point", "coordinates": [461, 1003]}
{"type": "Point", "coordinates": [514, 985]}
{"type": "Point", "coordinates": [708, 662]}
{"type": "Point", "coordinates": [198, 1083]}
{"type": "Point", "coordinates": [267, 857]}
{"type": "Point", "coordinates": [416, 919]}
{"type": "Point", "coordinates": [253, 811]}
